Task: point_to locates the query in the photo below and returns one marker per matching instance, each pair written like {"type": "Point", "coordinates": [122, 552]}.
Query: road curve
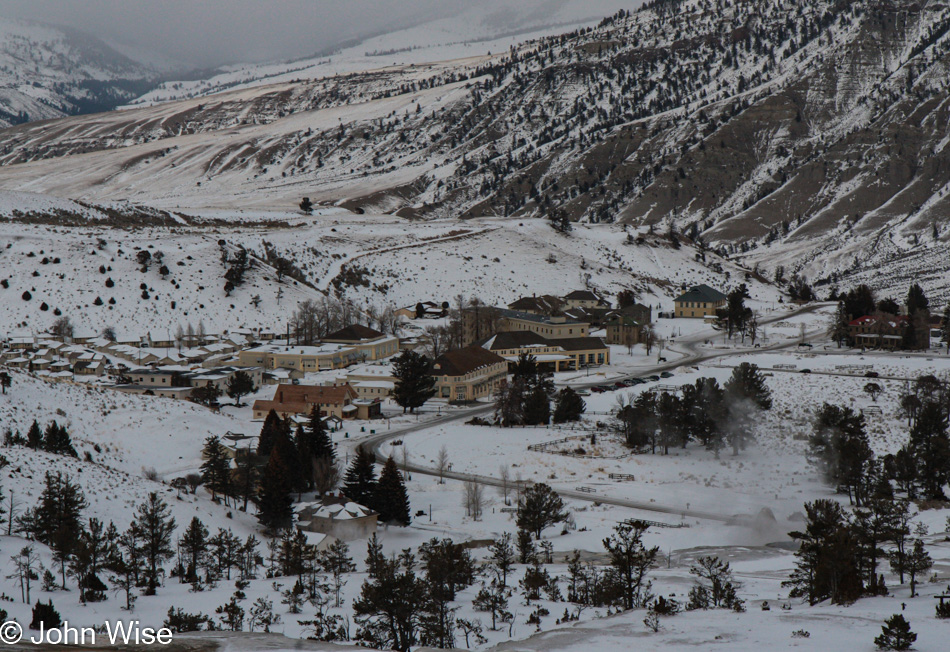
{"type": "Point", "coordinates": [692, 356]}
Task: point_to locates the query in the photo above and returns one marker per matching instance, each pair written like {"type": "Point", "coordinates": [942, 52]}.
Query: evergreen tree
{"type": "Point", "coordinates": [501, 558]}
{"type": "Point", "coordinates": [631, 561]}
{"type": "Point", "coordinates": [216, 468]}
{"type": "Point", "coordinates": [916, 300]}
{"type": "Point", "coordinates": [748, 384]}
{"type": "Point", "coordinates": [392, 500]}
{"type": "Point", "coordinates": [321, 445]}
{"type": "Point", "coordinates": [827, 560]}
{"type": "Point", "coordinates": [274, 503]}
{"type": "Point", "coordinates": [568, 406]}
{"type": "Point", "coordinates": [537, 408]}
{"type": "Point", "coordinates": [895, 634]}
{"type": "Point", "coordinates": [840, 333]}
{"type": "Point", "coordinates": [156, 526]}
{"type": "Point", "coordinates": [245, 478]}
{"type": "Point", "coordinates": [305, 457]}
{"type": "Point", "coordinates": [859, 302]}
{"type": "Point", "coordinates": [359, 483]}
{"type": "Point", "coordinates": [930, 446]}
{"type": "Point", "coordinates": [414, 381]}
{"type": "Point", "coordinates": [540, 507]}
{"type": "Point", "coordinates": [529, 372]}
{"type": "Point", "coordinates": [56, 440]}
{"type": "Point", "coordinates": [194, 547]}
{"type": "Point", "coordinates": [91, 554]}
{"type": "Point", "coordinates": [918, 563]}
{"type": "Point", "coordinates": [273, 426]}
{"type": "Point", "coordinates": [34, 436]}
{"type": "Point", "coordinates": [374, 555]}
{"type": "Point", "coordinates": [57, 520]}
{"type": "Point", "coordinates": [240, 384]}
{"type": "Point", "coordinates": [840, 445]}
{"type": "Point", "coordinates": [389, 605]}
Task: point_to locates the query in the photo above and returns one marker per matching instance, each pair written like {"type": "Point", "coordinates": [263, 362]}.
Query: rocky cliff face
{"type": "Point", "coordinates": [810, 134]}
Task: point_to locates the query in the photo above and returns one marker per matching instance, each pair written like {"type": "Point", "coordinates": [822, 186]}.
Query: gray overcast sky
{"type": "Point", "coordinates": [212, 32]}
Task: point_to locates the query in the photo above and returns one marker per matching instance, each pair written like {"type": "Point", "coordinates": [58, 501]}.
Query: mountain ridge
{"type": "Point", "coordinates": [793, 128]}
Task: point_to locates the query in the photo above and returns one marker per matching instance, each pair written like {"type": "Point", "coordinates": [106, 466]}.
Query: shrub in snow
{"type": "Point", "coordinates": [44, 307]}
{"type": "Point", "coordinates": [27, 296]}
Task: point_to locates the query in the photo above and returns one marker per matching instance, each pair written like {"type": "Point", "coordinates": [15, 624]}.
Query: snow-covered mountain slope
{"type": "Point", "coordinates": [84, 265]}
{"type": "Point", "coordinates": [819, 127]}
{"type": "Point", "coordinates": [49, 72]}
{"type": "Point", "coordinates": [453, 32]}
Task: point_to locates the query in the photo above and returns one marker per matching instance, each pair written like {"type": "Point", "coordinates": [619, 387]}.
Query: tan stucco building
{"type": "Point", "coordinates": [468, 374]}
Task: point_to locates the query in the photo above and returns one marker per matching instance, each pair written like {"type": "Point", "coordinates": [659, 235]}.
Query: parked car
{"type": "Point", "coordinates": [666, 374]}
{"type": "Point", "coordinates": [653, 378]}
{"type": "Point", "coordinates": [620, 384]}
{"type": "Point", "coordinates": [871, 374]}
{"type": "Point", "coordinates": [806, 371]}
{"type": "Point", "coordinates": [637, 381]}
{"type": "Point", "coordinates": [597, 390]}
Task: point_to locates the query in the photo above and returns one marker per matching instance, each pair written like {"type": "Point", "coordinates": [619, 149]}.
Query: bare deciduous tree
{"type": "Point", "coordinates": [474, 500]}
{"type": "Point", "coordinates": [442, 463]}
{"type": "Point", "coordinates": [504, 474]}
{"type": "Point", "coordinates": [326, 475]}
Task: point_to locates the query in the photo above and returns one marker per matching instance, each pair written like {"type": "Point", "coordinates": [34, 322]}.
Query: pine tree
{"type": "Point", "coordinates": [320, 443]}
{"type": "Point", "coordinates": [895, 634]}
{"type": "Point", "coordinates": [918, 563]}
{"type": "Point", "coordinates": [156, 526]}
{"type": "Point", "coordinates": [216, 468]}
{"type": "Point", "coordinates": [274, 504]}
{"type": "Point", "coordinates": [240, 384]}
{"type": "Point", "coordinates": [930, 446]}
{"type": "Point", "coordinates": [194, 546]}
{"type": "Point", "coordinates": [945, 328]}
{"type": "Point", "coordinates": [304, 455]}
{"type": "Point", "coordinates": [568, 406]}
{"type": "Point", "coordinates": [359, 483]}
{"type": "Point", "coordinates": [392, 500]}
{"type": "Point", "coordinates": [840, 333]}
{"type": "Point", "coordinates": [827, 560]}
{"type": "Point", "coordinates": [34, 436]}
{"type": "Point", "coordinates": [374, 555]}
{"type": "Point", "coordinates": [414, 382]}
{"type": "Point", "coordinates": [57, 520]}
{"type": "Point", "coordinates": [540, 507]}
{"type": "Point", "coordinates": [748, 383]}
{"type": "Point", "coordinates": [273, 425]}
{"type": "Point", "coordinates": [537, 408]}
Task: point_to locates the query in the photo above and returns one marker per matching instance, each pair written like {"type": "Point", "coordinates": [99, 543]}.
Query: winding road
{"type": "Point", "coordinates": [692, 355]}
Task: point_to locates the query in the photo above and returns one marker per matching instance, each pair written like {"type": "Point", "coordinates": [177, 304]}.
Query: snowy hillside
{"type": "Point", "coordinates": [456, 32]}
{"type": "Point", "coordinates": [81, 260]}
{"type": "Point", "coordinates": [48, 72]}
{"type": "Point", "coordinates": [746, 123]}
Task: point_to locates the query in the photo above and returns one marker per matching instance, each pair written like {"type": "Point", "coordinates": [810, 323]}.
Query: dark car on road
{"type": "Point", "coordinates": [871, 374]}
{"type": "Point", "coordinates": [666, 374]}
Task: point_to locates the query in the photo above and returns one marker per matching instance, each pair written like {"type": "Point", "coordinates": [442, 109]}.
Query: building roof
{"type": "Point", "coordinates": [464, 361]}
{"type": "Point", "coordinates": [702, 293]}
{"type": "Point", "coordinates": [579, 343]}
{"type": "Point", "coordinates": [582, 295]}
{"type": "Point", "coordinates": [556, 320]}
{"type": "Point", "coordinates": [527, 339]}
{"type": "Point", "coordinates": [354, 333]}
{"type": "Point", "coordinates": [301, 398]}
{"type": "Point", "coordinates": [543, 304]}
{"type": "Point", "coordinates": [623, 320]}
{"type": "Point", "coordinates": [514, 340]}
